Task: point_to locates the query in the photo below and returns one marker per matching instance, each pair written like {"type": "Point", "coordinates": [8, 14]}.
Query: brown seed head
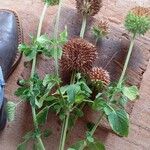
{"type": "Point", "coordinates": [141, 11]}
{"type": "Point", "coordinates": [99, 74]}
{"type": "Point", "coordinates": [100, 28]}
{"type": "Point", "coordinates": [88, 7]}
{"type": "Point", "coordinates": [78, 55]}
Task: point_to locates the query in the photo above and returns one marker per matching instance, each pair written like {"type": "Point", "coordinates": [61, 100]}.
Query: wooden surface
{"type": "Point", "coordinates": [138, 139]}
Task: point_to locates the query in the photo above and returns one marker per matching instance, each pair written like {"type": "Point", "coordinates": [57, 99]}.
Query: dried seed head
{"type": "Point", "coordinates": [88, 7]}
{"type": "Point", "coordinates": [141, 11]}
{"type": "Point", "coordinates": [137, 20]}
{"type": "Point", "coordinates": [100, 29]}
{"type": "Point", "coordinates": [78, 55]}
{"type": "Point", "coordinates": [99, 74]}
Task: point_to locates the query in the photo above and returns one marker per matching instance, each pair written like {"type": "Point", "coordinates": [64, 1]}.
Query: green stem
{"type": "Point", "coordinates": [96, 41]}
{"type": "Point", "coordinates": [83, 26]}
{"type": "Point", "coordinates": [127, 61]}
{"type": "Point", "coordinates": [62, 147]}
{"type": "Point", "coordinates": [32, 75]}
{"type": "Point", "coordinates": [93, 130]}
{"type": "Point", "coordinates": [125, 67]}
{"type": "Point", "coordinates": [62, 132]}
{"type": "Point", "coordinates": [97, 124]}
{"type": "Point", "coordinates": [56, 35]}
{"type": "Point", "coordinates": [41, 20]}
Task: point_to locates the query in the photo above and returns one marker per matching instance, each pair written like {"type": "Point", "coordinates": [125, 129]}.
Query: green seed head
{"type": "Point", "coordinates": [137, 20]}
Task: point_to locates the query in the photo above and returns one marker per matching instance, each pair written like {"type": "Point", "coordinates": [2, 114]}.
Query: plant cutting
{"type": "Point", "coordinates": [34, 88]}
{"type": "Point", "coordinates": [87, 8]}
{"type": "Point", "coordinates": [111, 101]}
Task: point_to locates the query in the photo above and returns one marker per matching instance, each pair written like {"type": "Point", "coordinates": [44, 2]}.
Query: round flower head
{"type": "Point", "coordinates": [88, 7]}
{"type": "Point", "coordinates": [138, 20]}
{"type": "Point", "coordinates": [78, 55]}
{"type": "Point", "coordinates": [99, 75]}
{"type": "Point", "coordinates": [100, 29]}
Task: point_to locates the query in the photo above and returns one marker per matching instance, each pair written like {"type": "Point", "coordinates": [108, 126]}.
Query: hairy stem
{"type": "Point", "coordinates": [83, 26]}
{"type": "Point", "coordinates": [32, 75]}
{"type": "Point", "coordinates": [125, 67]}
{"type": "Point", "coordinates": [127, 61]}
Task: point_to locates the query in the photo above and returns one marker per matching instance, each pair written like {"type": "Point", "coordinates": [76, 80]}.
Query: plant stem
{"type": "Point", "coordinates": [97, 124]}
{"type": "Point", "coordinates": [56, 36]}
{"type": "Point", "coordinates": [83, 26]}
{"type": "Point", "coordinates": [64, 132]}
{"type": "Point", "coordinates": [127, 61]}
{"type": "Point", "coordinates": [32, 75]}
{"type": "Point", "coordinates": [39, 140]}
{"type": "Point", "coordinates": [41, 20]}
{"type": "Point", "coordinates": [93, 130]}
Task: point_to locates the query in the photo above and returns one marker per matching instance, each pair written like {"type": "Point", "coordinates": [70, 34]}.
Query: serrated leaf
{"type": "Point", "coordinates": [42, 115]}
{"type": "Point", "coordinates": [10, 110]}
{"type": "Point", "coordinates": [99, 104]}
{"type": "Point", "coordinates": [119, 122]}
{"type": "Point", "coordinates": [131, 92]}
{"type": "Point", "coordinates": [43, 39]}
{"type": "Point", "coordinates": [96, 145]}
{"type": "Point", "coordinates": [72, 90]}
{"type": "Point", "coordinates": [78, 145]}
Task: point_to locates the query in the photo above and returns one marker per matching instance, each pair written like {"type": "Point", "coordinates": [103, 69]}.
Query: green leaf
{"type": "Point", "coordinates": [131, 92]}
{"type": "Point", "coordinates": [119, 122]}
{"type": "Point", "coordinates": [99, 104]}
{"type": "Point", "coordinates": [96, 145]}
{"type": "Point", "coordinates": [10, 110]}
{"type": "Point", "coordinates": [63, 37]}
{"type": "Point", "coordinates": [72, 90]}
{"type": "Point", "coordinates": [27, 137]}
{"type": "Point", "coordinates": [42, 115]}
{"type": "Point", "coordinates": [43, 39]}
{"type": "Point", "coordinates": [47, 132]}
{"type": "Point", "coordinates": [78, 145]}
{"type": "Point", "coordinates": [22, 146]}
{"type": "Point", "coordinates": [52, 2]}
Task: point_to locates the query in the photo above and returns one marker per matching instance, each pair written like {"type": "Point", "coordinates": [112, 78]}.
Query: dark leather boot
{"type": "Point", "coordinates": [10, 38]}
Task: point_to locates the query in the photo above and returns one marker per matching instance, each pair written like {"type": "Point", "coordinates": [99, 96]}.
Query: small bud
{"type": "Point", "coordinates": [100, 29]}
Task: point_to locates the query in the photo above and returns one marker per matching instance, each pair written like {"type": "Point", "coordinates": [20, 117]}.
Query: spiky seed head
{"type": "Point", "coordinates": [99, 75]}
{"type": "Point", "coordinates": [88, 7]}
{"type": "Point", "coordinates": [100, 29]}
{"type": "Point", "coordinates": [137, 20]}
{"type": "Point", "coordinates": [78, 55]}
{"type": "Point", "coordinates": [141, 11]}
